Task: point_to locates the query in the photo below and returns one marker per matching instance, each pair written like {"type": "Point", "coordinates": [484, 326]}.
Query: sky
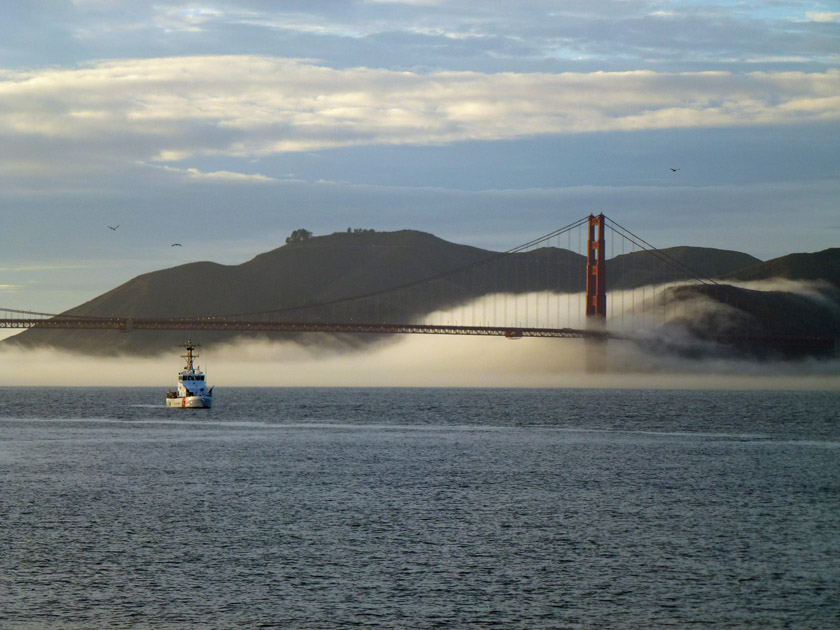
{"type": "Point", "coordinates": [226, 125]}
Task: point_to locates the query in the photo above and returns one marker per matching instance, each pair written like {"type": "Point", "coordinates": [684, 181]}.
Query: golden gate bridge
{"type": "Point", "coordinates": [554, 286]}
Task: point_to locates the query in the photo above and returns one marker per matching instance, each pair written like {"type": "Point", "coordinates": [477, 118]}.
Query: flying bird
{"type": "Point", "coordinates": [114, 228]}
{"type": "Point", "coordinates": [674, 170]}
{"type": "Point", "coordinates": [176, 245]}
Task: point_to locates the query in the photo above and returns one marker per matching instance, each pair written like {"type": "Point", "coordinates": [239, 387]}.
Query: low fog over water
{"type": "Point", "coordinates": [457, 361]}
{"type": "Point", "coordinates": [424, 361]}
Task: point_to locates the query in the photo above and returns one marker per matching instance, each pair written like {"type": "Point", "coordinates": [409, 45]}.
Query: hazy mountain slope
{"type": "Point", "coordinates": [642, 268]}
{"type": "Point", "coordinates": [808, 308]}
{"type": "Point", "coordinates": [320, 269]}
{"type": "Point", "coordinates": [824, 265]}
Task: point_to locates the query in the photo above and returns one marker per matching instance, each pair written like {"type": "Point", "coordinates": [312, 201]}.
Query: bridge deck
{"type": "Point", "coordinates": [127, 325]}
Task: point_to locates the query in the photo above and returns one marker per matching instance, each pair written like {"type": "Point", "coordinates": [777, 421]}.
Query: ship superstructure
{"type": "Point", "coordinates": [192, 391]}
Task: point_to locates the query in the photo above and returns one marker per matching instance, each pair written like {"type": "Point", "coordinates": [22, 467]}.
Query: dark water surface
{"type": "Point", "coordinates": [430, 508]}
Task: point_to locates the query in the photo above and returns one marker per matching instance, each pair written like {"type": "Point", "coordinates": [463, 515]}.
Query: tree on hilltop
{"type": "Point", "coordinates": [298, 236]}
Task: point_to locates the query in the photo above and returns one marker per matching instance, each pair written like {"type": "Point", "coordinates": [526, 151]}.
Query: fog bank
{"type": "Point", "coordinates": [423, 361]}
{"type": "Point", "coordinates": [466, 361]}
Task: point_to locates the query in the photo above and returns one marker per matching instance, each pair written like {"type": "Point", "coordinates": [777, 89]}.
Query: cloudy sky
{"type": "Point", "coordinates": [224, 125]}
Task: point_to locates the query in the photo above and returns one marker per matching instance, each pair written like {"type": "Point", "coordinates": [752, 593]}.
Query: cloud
{"type": "Point", "coordinates": [188, 18]}
{"type": "Point", "coordinates": [823, 16]}
{"type": "Point", "coordinates": [418, 3]}
{"type": "Point", "coordinates": [506, 35]}
{"type": "Point", "coordinates": [169, 109]}
{"type": "Point", "coordinates": [222, 176]}
{"type": "Point", "coordinates": [48, 267]}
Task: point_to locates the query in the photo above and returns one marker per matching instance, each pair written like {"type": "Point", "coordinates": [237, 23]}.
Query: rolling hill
{"type": "Point", "coordinates": [824, 265]}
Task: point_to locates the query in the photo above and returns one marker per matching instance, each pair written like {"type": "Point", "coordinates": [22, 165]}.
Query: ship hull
{"type": "Point", "coordinates": [190, 402]}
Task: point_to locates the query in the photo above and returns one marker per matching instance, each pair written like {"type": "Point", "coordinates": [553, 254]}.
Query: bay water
{"type": "Point", "coordinates": [419, 508]}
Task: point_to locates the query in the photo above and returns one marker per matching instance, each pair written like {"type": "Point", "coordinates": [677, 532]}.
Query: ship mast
{"type": "Point", "coordinates": [190, 346]}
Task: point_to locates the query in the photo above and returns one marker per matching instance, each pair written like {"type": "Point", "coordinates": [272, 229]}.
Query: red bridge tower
{"type": "Point", "coordinates": [596, 269]}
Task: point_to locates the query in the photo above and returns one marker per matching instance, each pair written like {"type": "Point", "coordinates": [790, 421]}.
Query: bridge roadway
{"type": "Point", "coordinates": [793, 345]}
{"type": "Point", "coordinates": [127, 325]}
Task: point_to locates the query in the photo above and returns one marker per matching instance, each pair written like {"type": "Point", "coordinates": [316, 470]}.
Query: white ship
{"type": "Point", "coordinates": [192, 392]}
